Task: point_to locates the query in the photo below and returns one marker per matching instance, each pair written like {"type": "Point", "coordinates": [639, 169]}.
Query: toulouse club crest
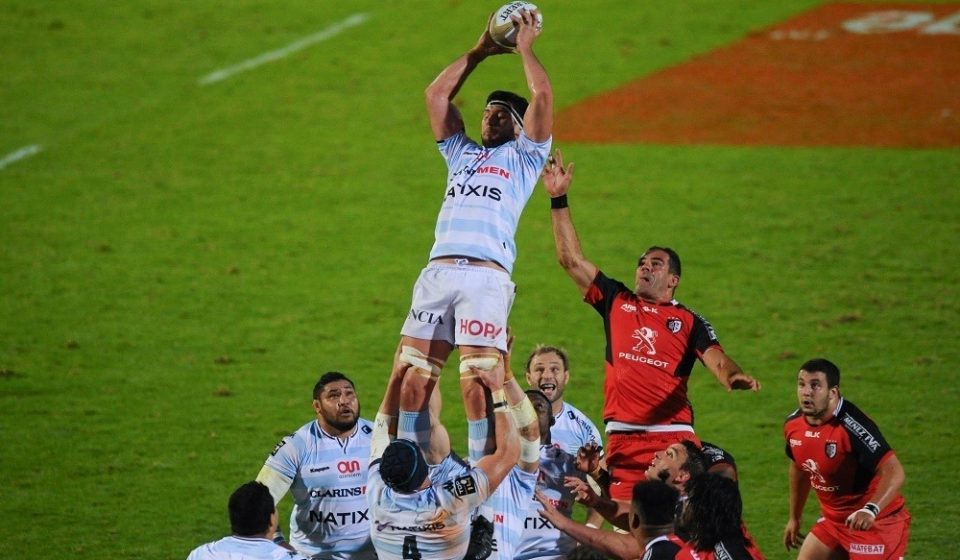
{"type": "Point", "coordinates": [831, 449]}
{"type": "Point", "coordinates": [674, 325]}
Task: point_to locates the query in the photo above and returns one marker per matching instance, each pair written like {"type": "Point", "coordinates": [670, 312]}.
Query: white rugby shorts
{"type": "Point", "coordinates": [464, 305]}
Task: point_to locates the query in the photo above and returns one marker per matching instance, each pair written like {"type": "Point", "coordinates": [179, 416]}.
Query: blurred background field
{"type": "Point", "coordinates": [179, 262]}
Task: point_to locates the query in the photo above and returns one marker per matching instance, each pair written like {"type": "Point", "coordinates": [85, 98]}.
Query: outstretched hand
{"type": "Point", "coordinates": [549, 511]}
{"type": "Point", "coordinates": [581, 490]}
{"type": "Point", "coordinates": [490, 378]}
{"type": "Point", "coordinates": [742, 382]}
{"type": "Point", "coordinates": [527, 28]}
{"type": "Point", "coordinates": [508, 370]}
{"type": "Point", "coordinates": [588, 457]}
{"type": "Point", "coordinates": [486, 45]}
{"type": "Point", "coordinates": [556, 177]}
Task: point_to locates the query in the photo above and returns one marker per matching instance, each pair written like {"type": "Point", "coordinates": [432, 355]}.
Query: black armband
{"type": "Point", "coordinates": [558, 202]}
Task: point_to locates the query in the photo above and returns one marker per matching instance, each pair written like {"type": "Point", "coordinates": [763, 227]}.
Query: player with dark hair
{"type": "Point", "coordinates": [651, 525]}
{"type": "Point", "coordinates": [421, 507]}
{"type": "Point", "coordinates": [652, 344]}
{"type": "Point", "coordinates": [712, 517]}
{"type": "Point", "coordinates": [253, 520]}
{"type": "Point", "coordinates": [838, 451]}
{"type": "Point", "coordinates": [324, 465]}
{"type": "Point", "coordinates": [463, 296]}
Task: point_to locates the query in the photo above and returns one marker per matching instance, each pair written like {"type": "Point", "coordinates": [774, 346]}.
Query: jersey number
{"type": "Point", "coordinates": [410, 549]}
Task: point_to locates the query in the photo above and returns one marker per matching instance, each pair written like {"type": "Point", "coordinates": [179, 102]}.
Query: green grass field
{"type": "Point", "coordinates": [179, 262]}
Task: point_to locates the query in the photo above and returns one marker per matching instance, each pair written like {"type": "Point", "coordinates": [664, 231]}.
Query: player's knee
{"type": "Point", "coordinates": [422, 364]}
{"type": "Point", "coordinates": [485, 361]}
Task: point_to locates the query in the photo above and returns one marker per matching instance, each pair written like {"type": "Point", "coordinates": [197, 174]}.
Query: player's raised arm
{"type": "Point", "coordinates": [525, 415]}
{"type": "Point", "coordinates": [538, 120]}
{"type": "Point", "coordinates": [498, 465]}
{"type": "Point", "coordinates": [556, 181]}
{"type": "Point", "coordinates": [385, 423]}
{"type": "Point", "coordinates": [445, 118]}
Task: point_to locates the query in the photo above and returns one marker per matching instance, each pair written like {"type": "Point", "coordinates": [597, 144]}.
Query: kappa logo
{"type": "Point", "coordinates": [648, 340]}
{"type": "Point", "coordinates": [629, 308]}
{"type": "Point", "coordinates": [674, 325]}
{"type": "Point", "coordinates": [831, 449]}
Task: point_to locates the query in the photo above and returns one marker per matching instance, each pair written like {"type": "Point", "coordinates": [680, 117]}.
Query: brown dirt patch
{"type": "Point", "coordinates": [841, 74]}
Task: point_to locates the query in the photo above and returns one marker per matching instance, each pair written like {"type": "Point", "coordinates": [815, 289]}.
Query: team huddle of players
{"type": "Point", "coordinates": [393, 488]}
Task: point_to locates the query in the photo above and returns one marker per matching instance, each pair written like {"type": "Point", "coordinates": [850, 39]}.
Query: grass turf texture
{"type": "Point", "coordinates": [181, 262]}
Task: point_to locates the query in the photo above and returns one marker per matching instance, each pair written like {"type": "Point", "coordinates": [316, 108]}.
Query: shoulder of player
{"type": "Point", "coordinates": [364, 428]}
{"type": "Point", "coordinates": [692, 312]}
{"type": "Point", "coordinates": [715, 454]}
{"type": "Point", "coordinates": [855, 421]}
{"type": "Point", "coordinates": [615, 285]}
{"type": "Point", "coordinates": [574, 414]}
{"type": "Point", "coordinates": [793, 417]}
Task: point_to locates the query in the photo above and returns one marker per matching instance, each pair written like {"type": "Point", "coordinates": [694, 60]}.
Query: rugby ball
{"type": "Point", "coordinates": [502, 28]}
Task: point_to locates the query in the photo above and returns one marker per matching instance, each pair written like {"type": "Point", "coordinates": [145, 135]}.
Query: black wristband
{"type": "Point", "coordinates": [872, 508]}
{"type": "Point", "coordinates": [501, 404]}
{"type": "Point", "coordinates": [558, 202]}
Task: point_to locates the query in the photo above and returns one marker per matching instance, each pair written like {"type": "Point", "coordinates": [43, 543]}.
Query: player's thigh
{"type": "Point", "coordinates": [431, 314]}
{"type": "Point", "coordinates": [482, 309]}
{"type": "Point", "coordinates": [822, 543]}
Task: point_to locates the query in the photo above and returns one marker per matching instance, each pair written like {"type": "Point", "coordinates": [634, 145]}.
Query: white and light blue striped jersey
{"type": "Point", "coordinates": [507, 508]}
{"type": "Point", "coordinates": [540, 538]}
{"type": "Point", "coordinates": [243, 548]}
{"type": "Point", "coordinates": [573, 429]}
{"type": "Point", "coordinates": [329, 518]}
{"type": "Point", "coordinates": [430, 523]}
{"type": "Point", "coordinates": [486, 192]}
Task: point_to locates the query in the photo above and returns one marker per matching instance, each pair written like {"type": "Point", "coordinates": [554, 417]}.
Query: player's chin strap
{"type": "Point", "coordinates": [422, 364]}
{"type": "Point", "coordinates": [517, 119]}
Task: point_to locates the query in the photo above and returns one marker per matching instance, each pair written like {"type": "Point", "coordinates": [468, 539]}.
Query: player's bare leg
{"type": "Point", "coordinates": [419, 401]}
{"type": "Point", "coordinates": [814, 549]}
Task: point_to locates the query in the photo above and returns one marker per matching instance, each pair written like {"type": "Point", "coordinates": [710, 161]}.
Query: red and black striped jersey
{"type": "Point", "coordinates": [650, 352]}
{"type": "Point", "coordinates": [841, 456]}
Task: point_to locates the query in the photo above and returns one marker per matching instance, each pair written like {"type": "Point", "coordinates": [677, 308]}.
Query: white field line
{"type": "Point", "coordinates": [22, 153]}
{"type": "Point", "coordinates": [270, 56]}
